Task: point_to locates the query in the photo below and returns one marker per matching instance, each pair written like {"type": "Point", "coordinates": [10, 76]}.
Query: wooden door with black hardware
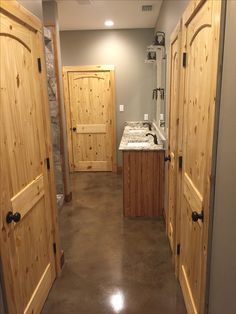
{"type": "Point", "coordinates": [173, 127]}
{"type": "Point", "coordinates": [201, 25]}
{"type": "Point", "coordinates": [89, 100]}
{"type": "Point", "coordinates": [26, 220]}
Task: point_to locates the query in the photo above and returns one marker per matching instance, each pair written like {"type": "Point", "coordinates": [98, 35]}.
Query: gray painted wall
{"type": "Point", "coordinates": [125, 49]}
{"type": "Point", "coordinates": [223, 262]}
{"type": "Point", "coordinates": [34, 6]}
{"type": "Point", "coordinates": [170, 14]}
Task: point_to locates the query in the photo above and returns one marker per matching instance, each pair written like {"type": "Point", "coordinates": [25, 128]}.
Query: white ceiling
{"type": "Point", "coordinates": [91, 14]}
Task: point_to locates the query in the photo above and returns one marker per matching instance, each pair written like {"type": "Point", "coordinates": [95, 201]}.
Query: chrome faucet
{"type": "Point", "coordinates": [154, 136]}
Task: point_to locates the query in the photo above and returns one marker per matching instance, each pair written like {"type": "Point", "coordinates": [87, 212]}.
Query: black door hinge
{"type": "Point", "coordinates": [178, 249]}
{"type": "Point", "coordinates": [48, 163]}
{"type": "Point", "coordinates": [180, 162]}
{"type": "Point", "coordinates": [184, 59]}
{"type": "Point", "coordinates": [39, 65]}
{"type": "Point", "coordinates": [54, 248]}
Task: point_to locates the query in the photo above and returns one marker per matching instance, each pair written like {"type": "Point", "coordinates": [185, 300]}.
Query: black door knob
{"type": "Point", "coordinates": [196, 216]}
{"type": "Point", "coordinates": [167, 158]}
{"type": "Point", "coordinates": [13, 217]}
{"type": "Point", "coordinates": [74, 129]}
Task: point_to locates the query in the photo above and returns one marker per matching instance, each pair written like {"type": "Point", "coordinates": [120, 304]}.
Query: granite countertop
{"type": "Point", "coordinates": [134, 137]}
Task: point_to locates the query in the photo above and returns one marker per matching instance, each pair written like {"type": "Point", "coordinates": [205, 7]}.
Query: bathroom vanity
{"type": "Point", "coordinates": [143, 171]}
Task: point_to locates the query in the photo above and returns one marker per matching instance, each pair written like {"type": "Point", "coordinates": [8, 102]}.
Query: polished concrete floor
{"type": "Point", "coordinates": [112, 264]}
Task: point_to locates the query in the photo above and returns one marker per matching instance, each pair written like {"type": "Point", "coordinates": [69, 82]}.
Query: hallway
{"type": "Point", "coordinates": [112, 265]}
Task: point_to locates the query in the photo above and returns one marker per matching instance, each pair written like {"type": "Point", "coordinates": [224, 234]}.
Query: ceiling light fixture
{"type": "Point", "coordinates": [109, 23]}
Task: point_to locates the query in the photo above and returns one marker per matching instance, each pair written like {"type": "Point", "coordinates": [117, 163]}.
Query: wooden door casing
{"type": "Point", "coordinates": [89, 99]}
{"type": "Point", "coordinates": [201, 24]}
{"type": "Point", "coordinates": [173, 171]}
{"type": "Point", "coordinates": [27, 257]}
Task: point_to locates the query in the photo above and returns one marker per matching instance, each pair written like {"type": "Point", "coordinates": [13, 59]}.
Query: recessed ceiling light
{"type": "Point", "coordinates": [109, 23]}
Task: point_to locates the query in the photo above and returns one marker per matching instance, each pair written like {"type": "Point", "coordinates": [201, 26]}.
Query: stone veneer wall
{"type": "Point", "coordinates": [54, 109]}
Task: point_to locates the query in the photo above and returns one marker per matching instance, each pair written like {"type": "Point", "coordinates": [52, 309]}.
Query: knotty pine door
{"type": "Point", "coordinates": [201, 24]}
{"type": "Point", "coordinates": [89, 99]}
{"type": "Point", "coordinates": [173, 171]}
{"type": "Point", "coordinates": [27, 258]}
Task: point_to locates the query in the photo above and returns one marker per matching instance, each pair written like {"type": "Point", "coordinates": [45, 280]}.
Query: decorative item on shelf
{"type": "Point", "coordinates": [156, 51]}
{"type": "Point", "coordinates": [151, 54]}
{"type": "Point", "coordinates": [160, 39]}
{"type": "Point", "coordinates": [159, 42]}
{"type": "Point", "coordinates": [155, 93]}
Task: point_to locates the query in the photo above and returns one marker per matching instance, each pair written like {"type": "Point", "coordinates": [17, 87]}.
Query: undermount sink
{"type": "Point", "coordinates": [138, 144]}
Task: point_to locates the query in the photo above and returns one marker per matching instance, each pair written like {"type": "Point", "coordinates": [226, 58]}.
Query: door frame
{"type": "Point", "coordinates": [61, 116]}
{"type": "Point", "coordinates": [89, 68]}
{"type": "Point", "coordinates": [177, 33]}
{"type": "Point", "coordinates": [192, 8]}
{"type": "Point", "coordinates": [23, 16]}
{"type": "Point", "coordinates": [215, 147]}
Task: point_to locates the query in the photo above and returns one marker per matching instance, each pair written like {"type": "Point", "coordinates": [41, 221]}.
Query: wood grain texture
{"type": "Point", "coordinates": [68, 118]}
{"type": "Point", "coordinates": [180, 150]}
{"type": "Point", "coordinates": [91, 128]}
{"type": "Point", "coordinates": [23, 201]}
{"type": "Point", "coordinates": [26, 184]}
{"type": "Point", "coordinates": [89, 68]}
{"type": "Point", "coordinates": [40, 293]}
{"type": "Point", "coordinates": [90, 107]}
{"type": "Point", "coordinates": [173, 134]}
{"type": "Point", "coordinates": [47, 141]}
{"type": "Point", "coordinates": [143, 183]}
{"type": "Point", "coordinates": [113, 119]}
{"type": "Point", "coordinates": [201, 33]}
{"type": "Point", "coordinates": [93, 166]}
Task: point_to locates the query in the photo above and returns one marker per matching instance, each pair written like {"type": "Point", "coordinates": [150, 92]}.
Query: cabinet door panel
{"type": "Point", "coordinates": [143, 178]}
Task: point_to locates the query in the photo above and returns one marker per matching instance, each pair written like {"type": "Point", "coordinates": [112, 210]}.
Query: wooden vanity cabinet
{"type": "Point", "coordinates": [143, 183]}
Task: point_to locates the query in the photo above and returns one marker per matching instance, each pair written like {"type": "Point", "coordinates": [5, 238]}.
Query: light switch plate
{"type": "Point", "coordinates": [122, 108]}
{"type": "Point", "coordinates": [161, 116]}
{"type": "Point", "coordinates": [145, 117]}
